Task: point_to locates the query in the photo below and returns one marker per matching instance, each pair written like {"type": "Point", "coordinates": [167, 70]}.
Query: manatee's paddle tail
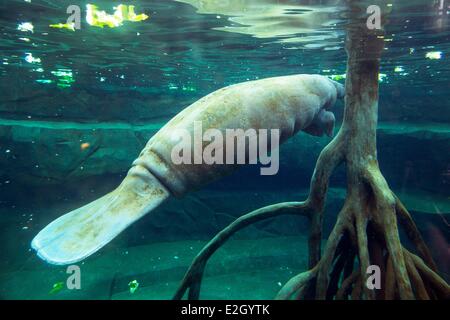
{"type": "Point", "coordinates": [288, 104]}
{"type": "Point", "coordinates": [79, 233]}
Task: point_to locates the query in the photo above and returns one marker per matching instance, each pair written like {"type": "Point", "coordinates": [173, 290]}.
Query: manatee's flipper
{"type": "Point", "coordinates": [322, 124]}
{"type": "Point", "coordinates": [79, 233]}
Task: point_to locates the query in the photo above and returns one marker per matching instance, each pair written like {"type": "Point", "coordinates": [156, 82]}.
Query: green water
{"type": "Point", "coordinates": [77, 107]}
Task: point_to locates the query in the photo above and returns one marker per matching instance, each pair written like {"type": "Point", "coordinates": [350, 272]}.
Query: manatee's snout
{"type": "Point", "coordinates": [324, 120]}
{"type": "Point", "coordinates": [327, 121]}
{"type": "Point", "coordinates": [340, 89]}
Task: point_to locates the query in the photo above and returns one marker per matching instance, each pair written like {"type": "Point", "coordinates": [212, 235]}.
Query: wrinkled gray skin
{"type": "Point", "coordinates": [290, 104]}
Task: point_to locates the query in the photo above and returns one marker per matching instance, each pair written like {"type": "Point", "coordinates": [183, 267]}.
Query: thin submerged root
{"type": "Point", "coordinates": [193, 277]}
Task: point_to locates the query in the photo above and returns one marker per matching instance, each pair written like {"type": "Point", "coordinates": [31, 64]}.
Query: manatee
{"type": "Point", "coordinates": [288, 103]}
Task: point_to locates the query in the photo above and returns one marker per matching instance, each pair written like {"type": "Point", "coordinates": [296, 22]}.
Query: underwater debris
{"type": "Point", "coordinates": [382, 77]}
{"type": "Point", "coordinates": [25, 27]}
{"type": "Point", "coordinates": [85, 145]}
{"type": "Point", "coordinates": [339, 77]}
{"type": "Point", "coordinates": [434, 55]}
{"type": "Point", "coordinates": [97, 18]}
{"type": "Point", "coordinates": [401, 71]}
{"type": "Point", "coordinates": [68, 26]}
{"type": "Point", "coordinates": [57, 287]}
{"type": "Point", "coordinates": [133, 285]}
{"type": "Point", "coordinates": [188, 88]}
{"type": "Point", "coordinates": [65, 77]}
{"type": "Point", "coordinates": [45, 81]}
{"type": "Point", "coordinates": [30, 59]}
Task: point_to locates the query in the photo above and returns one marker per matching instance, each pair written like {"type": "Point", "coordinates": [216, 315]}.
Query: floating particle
{"type": "Point", "coordinates": [98, 18]}
{"type": "Point", "coordinates": [57, 287]}
{"type": "Point", "coordinates": [85, 145]}
{"type": "Point", "coordinates": [176, 257]}
{"type": "Point", "coordinates": [382, 77]}
{"type": "Point", "coordinates": [62, 73]}
{"type": "Point", "coordinates": [331, 48]}
{"type": "Point", "coordinates": [45, 81]}
{"type": "Point", "coordinates": [68, 26]}
{"type": "Point", "coordinates": [30, 59]}
{"type": "Point", "coordinates": [338, 77]}
{"type": "Point", "coordinates": [191, 89]}
{"type": "Point", "coordinates": [25, 27]}
{"type": "Point", "coordinates": [133, 285]}
{"type": "Point", "coordinates": [434, 55]}
{"type": "Point", "coordinates": [399, 69]}
{"type": "Point", "coordinates": [65, 77]}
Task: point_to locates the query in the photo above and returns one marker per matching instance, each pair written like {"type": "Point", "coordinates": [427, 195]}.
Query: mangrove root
{"type": "Point", "coordinates": [366, 230]}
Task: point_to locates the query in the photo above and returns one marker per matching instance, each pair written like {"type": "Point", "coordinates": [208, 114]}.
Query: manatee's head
{"type": "Point", "coordinates": [324, 120]}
